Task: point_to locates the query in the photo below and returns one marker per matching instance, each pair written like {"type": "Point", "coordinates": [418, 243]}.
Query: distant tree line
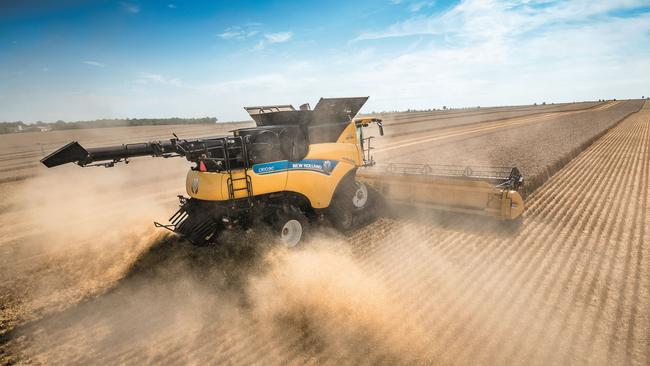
{"type": "Point", "coordinates": [410, 110]}
{"type": "Point", "coordinates": [19, 126]}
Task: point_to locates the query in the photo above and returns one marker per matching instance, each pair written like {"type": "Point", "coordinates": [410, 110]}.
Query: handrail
{"type": "Point", "coordinates": [505, 176]}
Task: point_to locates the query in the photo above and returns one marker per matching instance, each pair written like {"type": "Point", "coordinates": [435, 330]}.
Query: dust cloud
{"type": "Point", "coordinates": [323, 297]}
{"type": "Point", "coordinates": [215, 304]}
{"type": "Point", "coordinates": [73, 232]}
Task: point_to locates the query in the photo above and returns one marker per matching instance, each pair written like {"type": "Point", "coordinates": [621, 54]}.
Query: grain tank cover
{"type": "Point", "coordinates": [324, 123]}
{"type": "Point", "coordinates": [327, 111]}
{"type": "Point", "coordinates": [340, 108]}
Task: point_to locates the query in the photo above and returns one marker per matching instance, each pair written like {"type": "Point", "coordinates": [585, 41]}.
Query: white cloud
{"type": "Point", "coordinates": [230, 34]}
{"type": "Point", "coordinates": [172, 6]}
{"type": "Point", "coordinates": [130, 7]}
{"type": "Point", "coordinates": [94, 63]}
{"type": "Point", "coordinates": [251, 29]}
{"type": "Point", "coordinates": [279, 37]}
{"type": "Point", "coordinates": [486, 18]}
{"type": "Point", "coordinates": [504, 52]}
{"type": "Point", "coordinates": [415, 7]}
{"type": "Point", "coordinates": [239, 32]}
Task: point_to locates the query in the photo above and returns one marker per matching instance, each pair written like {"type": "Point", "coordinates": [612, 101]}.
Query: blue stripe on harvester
{"type": "Point", "coordinates": [313, 165]}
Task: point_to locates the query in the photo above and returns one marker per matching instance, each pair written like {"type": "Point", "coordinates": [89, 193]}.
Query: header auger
{"type": "Point", "coordinates": [298, 166]}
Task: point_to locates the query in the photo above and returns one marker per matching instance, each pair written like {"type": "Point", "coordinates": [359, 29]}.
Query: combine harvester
{"type": "Point", "coordinates": [297, 167]}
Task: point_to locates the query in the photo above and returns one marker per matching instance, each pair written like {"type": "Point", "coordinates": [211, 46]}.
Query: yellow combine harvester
{"type": "Point", "coordinates": [298, 166]}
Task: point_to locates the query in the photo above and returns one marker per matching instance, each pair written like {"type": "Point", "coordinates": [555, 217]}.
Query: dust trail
{"type": "Point", "coordinates": [400, 296]}
{"type": "Point", "coordinates": [332, 305]}
{"type": "Point", "coordinates": [242, 301]}
{"type": "Point", "coordinates": [71, 233]}
{"type": "Point", "coordinates": [168, 301]}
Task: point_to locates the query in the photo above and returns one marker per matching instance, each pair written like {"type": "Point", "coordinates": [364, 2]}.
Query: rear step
{"type": "Point", "coordinates": [194, 223]}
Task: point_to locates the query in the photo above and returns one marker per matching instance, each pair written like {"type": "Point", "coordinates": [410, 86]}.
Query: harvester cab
{"type": "Point", "coordinates": [296, 167]}
{"type": "Point", "coordinates": [364, 142]}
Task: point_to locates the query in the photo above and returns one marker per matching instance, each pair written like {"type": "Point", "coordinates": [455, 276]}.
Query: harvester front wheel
{"type": "Point", "coordinates": [351, 205]}
{"type": "Point", "coordinates": [291, 226]}
{"type": "Point", "coordinates": [360, 196]}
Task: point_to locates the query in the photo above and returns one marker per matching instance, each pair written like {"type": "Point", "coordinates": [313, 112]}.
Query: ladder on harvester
{"type": "Point", "coordinates": [233, 179]}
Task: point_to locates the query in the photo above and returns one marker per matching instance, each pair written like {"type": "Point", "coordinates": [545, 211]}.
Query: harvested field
{"type": "Point", "coordinates": [90, 281]}
{"type": "Point", "coordinates": [429, 121]}
{"type": "Point", "coordinates": [538, 145]}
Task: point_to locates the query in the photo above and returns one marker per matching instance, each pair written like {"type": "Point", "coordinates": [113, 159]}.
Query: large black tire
{"type": "Point", "coordinates": [352, 205]}
{"type": "Point", "coordinates": [291, 226]}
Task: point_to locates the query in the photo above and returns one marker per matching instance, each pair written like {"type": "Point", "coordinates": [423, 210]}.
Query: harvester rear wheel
{"type": "Point", "coordinates": [291, 226]}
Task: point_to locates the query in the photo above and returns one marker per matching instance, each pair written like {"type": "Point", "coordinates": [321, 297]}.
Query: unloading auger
{"type": "Point", "coordinates": [300, 166]}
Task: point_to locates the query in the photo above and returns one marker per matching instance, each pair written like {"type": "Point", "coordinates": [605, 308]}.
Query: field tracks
{"type": "Point", "coordinates": [483, 127]}
{"type": "Point", "coordinates": [534, 182]}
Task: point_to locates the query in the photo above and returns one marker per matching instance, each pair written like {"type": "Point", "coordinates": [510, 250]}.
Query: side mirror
{"type": "Point", "coordinates": [381, 128]}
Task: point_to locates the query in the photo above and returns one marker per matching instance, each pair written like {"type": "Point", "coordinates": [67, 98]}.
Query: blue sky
{"type": "Point", "coordinates": [75, 60]}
